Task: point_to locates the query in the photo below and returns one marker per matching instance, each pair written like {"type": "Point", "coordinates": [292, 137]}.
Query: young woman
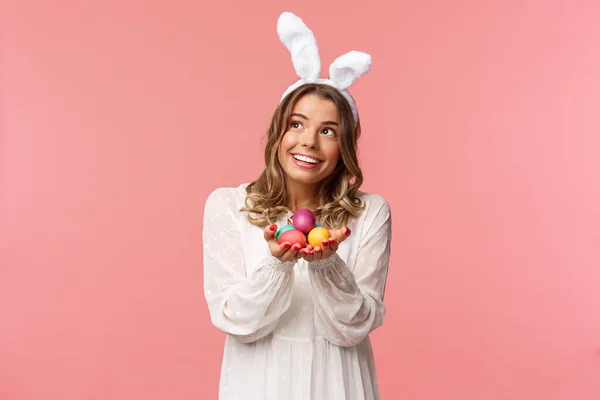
{"type": "Point", "coordinates": [298, 319]}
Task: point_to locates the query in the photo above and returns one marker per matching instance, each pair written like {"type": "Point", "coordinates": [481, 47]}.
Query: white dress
{"type": "Point", "coordinates": [295, 330]}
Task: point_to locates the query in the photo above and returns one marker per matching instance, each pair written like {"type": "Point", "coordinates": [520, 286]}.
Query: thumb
{"type": "Point", "coordinates": [270, 231]}
{"type": "Point", "coordinates": [340, 235]}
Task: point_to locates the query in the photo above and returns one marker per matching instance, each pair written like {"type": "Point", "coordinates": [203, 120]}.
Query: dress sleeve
{"type": "Point", "coordinates": [348, 306]}
{"type": "Point", "coordinates": [245, 307]}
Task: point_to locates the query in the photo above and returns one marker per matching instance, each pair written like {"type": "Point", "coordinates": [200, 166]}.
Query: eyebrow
{"type": "Point", "coordinates": [306, 118]}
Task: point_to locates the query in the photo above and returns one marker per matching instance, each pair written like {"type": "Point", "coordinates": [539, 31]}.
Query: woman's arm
{"type": "Point", "coordinates": [348, 306]}
{"type": "Point", "coordinates": [245, 307]}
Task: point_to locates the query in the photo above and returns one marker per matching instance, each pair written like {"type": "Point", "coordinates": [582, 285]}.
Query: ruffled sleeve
{"type": "Point", "coordinates": [245, 307]}
{"type": "Point", "coordinates": [349, 305]}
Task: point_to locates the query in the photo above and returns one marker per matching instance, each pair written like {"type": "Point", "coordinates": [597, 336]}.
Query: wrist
{"type": "Point", "coordinates": [276, 263]}
{"type": "Point", "coordinates": [325, 262]}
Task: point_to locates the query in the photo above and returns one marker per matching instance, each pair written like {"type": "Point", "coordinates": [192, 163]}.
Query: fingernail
{"type": "Point", "coordinates": [317, 250]}
{"type": "Point", "coordinates": [273, 227]}
{"type": "Point", "coordinates": [325, 243]}
{"type": "Point", "coordinates": [287, 245]}
{"type": "Point", "coordinates": [297, 247]}
{"type": "Point", "coordinates": [331, 241]}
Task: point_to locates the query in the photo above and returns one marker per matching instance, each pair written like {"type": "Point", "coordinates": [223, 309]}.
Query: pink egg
{"type": "Point", "coordinates": [293, 236]}
{"type": "Point", "coordinates": [304, 220]}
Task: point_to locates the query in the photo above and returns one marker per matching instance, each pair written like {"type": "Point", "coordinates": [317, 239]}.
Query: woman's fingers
{"type": "Point", "coordinates": [287, 252]}
{"type": "Point", "coordinates": [318, 253]}
{"type": "Point", "coordinates": [307, 255]}
{"type": "Point", "coordinates": [347, 232]}
{"type": "Point", "coordinates": [340, 235]}
{"type": "Point", "coordinates": [284, 251]}
{"type": "Point", "coordinates": [279, 250]}
{"type": "Point", "coordinates": [333, 245]}
{"type": "Point", "coordinates": [293, 252]}
{"type": "Point", "coordinates": [270, 232]}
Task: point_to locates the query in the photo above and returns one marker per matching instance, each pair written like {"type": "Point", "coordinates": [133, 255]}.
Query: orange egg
{"type": "Point", "coordinates": [317, 235]}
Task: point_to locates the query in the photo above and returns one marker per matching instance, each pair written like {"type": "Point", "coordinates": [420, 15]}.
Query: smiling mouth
{"type": "Point", "coordinates": [306, 159]}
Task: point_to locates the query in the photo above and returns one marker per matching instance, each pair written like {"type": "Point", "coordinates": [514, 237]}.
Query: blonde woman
{"type": "Point", "coordinates": [298, 319]}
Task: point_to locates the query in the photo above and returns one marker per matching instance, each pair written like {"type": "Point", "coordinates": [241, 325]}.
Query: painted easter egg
{"type": "Point", "coordinates": [304, 220]}
{"type": "Point", "coordinates": [317, 235]}
{"type": "Point", "coordinates": [292, 236]}
{"type": "Point", "coordinates": [283, 229]}
{"type": "Point", "coordinates": [316, 225]}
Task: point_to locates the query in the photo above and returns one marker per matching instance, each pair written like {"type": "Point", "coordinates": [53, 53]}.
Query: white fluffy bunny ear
{"type": "Point", "coordinates": [347, 68]}
{"type": "Point", "coordinates": [301, 43]}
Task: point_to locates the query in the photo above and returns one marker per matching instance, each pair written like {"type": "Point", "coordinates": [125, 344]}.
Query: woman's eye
{"type": "Point", "coordinates": [296, 125]}
{"type": "Point", "coordinates": [328, 131]}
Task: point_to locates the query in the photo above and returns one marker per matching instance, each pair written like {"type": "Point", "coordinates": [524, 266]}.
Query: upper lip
{"type": "Point", "coordinates": [307, 155]}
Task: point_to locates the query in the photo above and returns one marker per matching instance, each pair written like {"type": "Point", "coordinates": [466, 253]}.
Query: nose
{"type": "Point", "coordinates": [309, 139]}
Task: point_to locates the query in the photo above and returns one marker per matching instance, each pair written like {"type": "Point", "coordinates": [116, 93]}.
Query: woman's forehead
{"type": "Point", "coordinates": [316, 107]}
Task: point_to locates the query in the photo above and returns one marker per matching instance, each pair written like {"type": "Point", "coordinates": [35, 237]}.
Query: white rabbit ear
{"type": "Point", "coordinates": [347, 68]}
{"type": "Point", "coordinates": [301, 43]}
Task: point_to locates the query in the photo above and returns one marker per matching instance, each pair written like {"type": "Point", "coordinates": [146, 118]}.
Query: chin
{"type": "Point", "coordinates": [305, 177]}
{"type": "Point", "coordinates": [305, 180]}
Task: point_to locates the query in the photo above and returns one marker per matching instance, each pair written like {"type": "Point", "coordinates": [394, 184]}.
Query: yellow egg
{"type": "Point", "coordinates": [317, 235]}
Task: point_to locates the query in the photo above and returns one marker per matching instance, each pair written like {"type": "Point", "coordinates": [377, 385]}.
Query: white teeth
{"type": "Point", "coordinates": [305, 159]}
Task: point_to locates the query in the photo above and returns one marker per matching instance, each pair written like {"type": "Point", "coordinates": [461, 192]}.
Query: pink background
{"type": "Point", "coordinates": [481, 127]}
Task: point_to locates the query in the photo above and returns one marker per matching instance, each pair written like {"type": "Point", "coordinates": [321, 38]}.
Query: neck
{"type": "Point", "coordinates": [301, 195]}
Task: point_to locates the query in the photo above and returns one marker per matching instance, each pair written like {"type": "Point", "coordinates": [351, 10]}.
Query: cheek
{"type": "Point", "coordinates": [332, 151]}
{"type": "Point", "coordinates": [284, 146]}
{"type": "Point", "coordinates": [287, 142]}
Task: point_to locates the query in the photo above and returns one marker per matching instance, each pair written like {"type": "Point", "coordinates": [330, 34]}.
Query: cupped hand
{"type": "Point", "coordinates": [328, 248]}
{"type": "Point", "coordinates": [284, 251]}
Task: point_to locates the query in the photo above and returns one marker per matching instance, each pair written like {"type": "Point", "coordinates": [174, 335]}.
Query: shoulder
{"type": "Point", "coordinates": [226, 197]}
{"type": "Point", "coordinates": [374, 203]}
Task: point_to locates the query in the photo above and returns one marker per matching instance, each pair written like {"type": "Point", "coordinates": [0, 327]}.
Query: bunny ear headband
{"type": "Point", "coordinates": [301, 43]}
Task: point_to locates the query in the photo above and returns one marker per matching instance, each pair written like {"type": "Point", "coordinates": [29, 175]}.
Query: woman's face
{"type": "Point", "coordinates": [310, 149]}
